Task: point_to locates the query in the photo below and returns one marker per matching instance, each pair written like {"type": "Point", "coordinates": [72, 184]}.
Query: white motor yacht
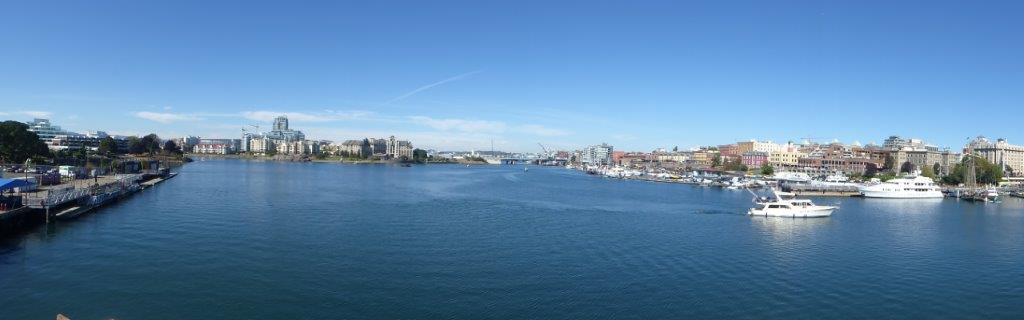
{"type": "Point", "coordinates": [912, 187]}
{"type": "Point", "coordinates": [786, 205]}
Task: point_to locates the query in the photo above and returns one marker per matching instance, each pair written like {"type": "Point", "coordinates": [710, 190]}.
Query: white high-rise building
{"type": "Point", "coordinates": [597, 154]}
{"type": "Point", "coordinates": [1002, 153]}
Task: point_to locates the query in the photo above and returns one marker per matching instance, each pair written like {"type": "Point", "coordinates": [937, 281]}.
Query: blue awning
{"type": "Point", "coordinates": [6, 184]}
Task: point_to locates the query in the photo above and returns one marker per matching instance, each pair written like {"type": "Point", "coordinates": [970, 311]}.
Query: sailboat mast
{"type": "Point", "coordinates": [970, 176]}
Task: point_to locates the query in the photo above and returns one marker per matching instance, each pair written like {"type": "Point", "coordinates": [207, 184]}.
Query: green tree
{"type": "Point", "coordinates": [18, 144]}
{"type": "Point", "coordinates": [890, 163]}
{"type": "Point", "coordinates": [135, 145]}
{"type": "Point", "coordinates": [907, 167]}
{"type": "Point", "coordinates": [735, 165]}
{"type": "Point", "coordinates": [716, 161]}
{"type": "Point", "coordinates": [937, 169]}
{"type": "Point", "coordinates": [886, 176]}
{"type": "Point", "coordinates": [171, 147]}
{"type": "Point", "coordinates": [108, 146]}
{"type": "Point", "coordinates": [986, 172]}
{"type": "Point", "coordinates": [870, 171]}
{"type": "Point", "coordinates": [928, 172]}
{"type": "Point", "coordinates": [419, 155]}
{"type": "Point", "coordinates": [150, 143]}
{"type": "Point", "coordinates": [991, 174]}
{"type": "Point", "coordinates": [767, 169]}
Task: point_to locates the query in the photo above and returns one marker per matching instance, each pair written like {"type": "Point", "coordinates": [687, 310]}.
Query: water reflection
{"type": "Point", "coordinates": [902, 206]}
{"type": "Point", "coordinates": [785, 231]}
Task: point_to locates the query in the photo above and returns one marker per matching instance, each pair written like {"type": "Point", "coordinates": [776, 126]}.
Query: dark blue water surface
{"type": "Point", "coordinates": [267, 240]}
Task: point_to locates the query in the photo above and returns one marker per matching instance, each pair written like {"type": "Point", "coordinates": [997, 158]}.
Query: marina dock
{"type": "Point", "coordinates": [67, 201]}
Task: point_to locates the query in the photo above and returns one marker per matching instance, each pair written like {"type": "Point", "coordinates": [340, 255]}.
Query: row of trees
{"type": "Point", "coordinates": [18, 144]}
{"type": "Point", "coordinates": [733, 165]}
{"type": "Point", "coordinates": [986, 172]}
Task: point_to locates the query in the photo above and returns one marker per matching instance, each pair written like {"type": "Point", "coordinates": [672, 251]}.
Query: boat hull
{"type": "Point", "coordinates": [901, 195]}
{"type": "Point", "coordinates": [811, 213]}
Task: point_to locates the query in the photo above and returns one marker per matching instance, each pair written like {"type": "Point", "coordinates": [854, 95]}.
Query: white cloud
{"type": "Point", "coordinates": [327, 115]}
{"type": "Point", "coordinates": [163, 117]}
{"type": "Point", "coordinates": [462, 125]}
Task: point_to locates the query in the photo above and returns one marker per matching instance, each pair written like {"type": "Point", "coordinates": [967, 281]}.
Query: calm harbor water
{"type": "Point", "coordinates": [268, 240]}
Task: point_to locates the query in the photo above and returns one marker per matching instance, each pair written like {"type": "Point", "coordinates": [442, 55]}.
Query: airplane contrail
{"type": "Point", "coordinates": [423, 88]}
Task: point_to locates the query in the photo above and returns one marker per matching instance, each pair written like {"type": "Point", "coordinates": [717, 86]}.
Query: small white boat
{"type": "Point", "coordinates": [788, 206]}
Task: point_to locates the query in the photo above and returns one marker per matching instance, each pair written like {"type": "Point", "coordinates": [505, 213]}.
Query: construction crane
{"type": "Point", "coordinates": [812, 140]}
{"type": "Point", "coordinates": [254, 126]}
{"type": "Point", "coordinates": [547, 154]}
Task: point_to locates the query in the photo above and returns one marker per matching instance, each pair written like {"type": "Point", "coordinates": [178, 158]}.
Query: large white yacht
{"type": "Point", "coordinates": [912, 187]}
{"type": "Point", "coordinates": [786, 205]}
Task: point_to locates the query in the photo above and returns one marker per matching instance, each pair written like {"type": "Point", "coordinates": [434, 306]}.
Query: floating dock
{"type": "Point", "coordinates": [821, 190]}
{"type": "Point", "coordinates": [69, 201]}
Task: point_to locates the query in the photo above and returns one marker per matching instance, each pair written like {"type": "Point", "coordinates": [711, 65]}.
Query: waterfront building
{"type": "Point", "coordinates": [1009, 157]}
{"type": "Point", "coordinates": [754, 146]}
{"type": "Point", "coordinates": [187, 143]}
{"type": "Point", "coordinates": [213, 148]}
{"type": "Point", "coordinates": [398, 149]}
{"type": "Point", "coordinates": [704, 156]}
{"type": "Point", "coordinates": [874, 152]}
{"type": "Point", "coordinates": [826, 166]}
{"type": "Point", "coordinates": [633, 158]}
{"type": "Point", "coordinates": [73, 141]}
{"type": "Point", "coordinates": [918, 154]}
{"type": "Point", "coordinates": [390, 148]}
{"type": "Point", "coordinates": [246, 143]}
{"type": "Point", "coordinates": [45, 130]}
{"type": "Point", "coordinates": [261, 145]}
{"type": "Point", "coordinates": [352, 148]}
{"type": "Point", "coordinates": [754, 159]}
{"type": "Point", "coordinates": [897, 143]}
{"type": "Point", "coordinates": [617, 156]}
{"type": "Point", "coordinates": [920, 158]}
{"type": "Point", "coordinates": [788, 154]}
{"type": "Point", "coordinates": [729, 150]}
{"type": "Point", "coordinates": [679, 157]}
{"type": "Point", "coordinates": [281, 131]}
{"type": "Point", "coordinates": [58, 139]}
{"type": "Point", "coordinates": [597, 154]}
{"type": "Point", "coordinates": [304, 147]}
{"type": "Point", "coordinates": [375, 147]}
{"type": "Point", "coordinates": [97, 134]}
{"type": "Point", "coordinates": [782, 158]}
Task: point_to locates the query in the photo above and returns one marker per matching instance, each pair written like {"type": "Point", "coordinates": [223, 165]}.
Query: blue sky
{"type": "Point", "coordinates": [455, 75]}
